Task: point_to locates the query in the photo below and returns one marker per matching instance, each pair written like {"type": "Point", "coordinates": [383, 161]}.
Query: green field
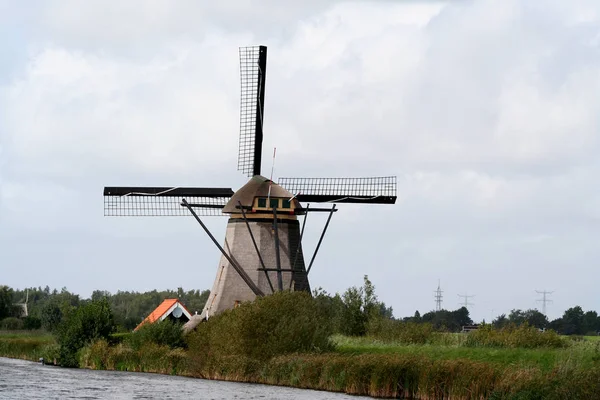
{"type": "Point", "coordinates": [583, 354]}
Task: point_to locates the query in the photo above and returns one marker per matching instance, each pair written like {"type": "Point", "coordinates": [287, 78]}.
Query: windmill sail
{"type": "Point", "coordinates": [163, 201]}
{"type": "Point", "coordinates": [253, 71]}
{"type": "Point", "coordinates": [373, 190]}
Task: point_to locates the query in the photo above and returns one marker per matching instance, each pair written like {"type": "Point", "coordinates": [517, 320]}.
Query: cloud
{"type": "Point", "coordinates": [487, 111]}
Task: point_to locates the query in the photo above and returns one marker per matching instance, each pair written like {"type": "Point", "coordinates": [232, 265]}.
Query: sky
{"type": "Point", "coordinates": [487, 112]}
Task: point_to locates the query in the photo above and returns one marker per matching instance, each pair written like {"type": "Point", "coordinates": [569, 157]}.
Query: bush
{"type": "Point", "coordinates": [513, 336]}
{"type": "Point", "coordinates": [32, 323]}
{"type": "Point", "coordinates": [51, 316]}
{"type": "Point", "coordinates": [119, 337]}
{"type": "Point", "coordinates": [82, 326]}
{"type": "Point", "coordinates": [11, 324]}
{"type": "Point", "coordinates": [166, 332]}
{"type": "Point", "coordinates": [285, 322]}
{"type": "Point", "coordinates": [389, 330]}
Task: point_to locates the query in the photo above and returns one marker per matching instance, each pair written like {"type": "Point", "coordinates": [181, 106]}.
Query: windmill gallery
{"type": "Point", "coordinates": [262, 251]}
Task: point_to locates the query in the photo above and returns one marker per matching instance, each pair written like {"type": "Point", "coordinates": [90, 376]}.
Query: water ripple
{"type": "Point", "coordinates": [27, 380]}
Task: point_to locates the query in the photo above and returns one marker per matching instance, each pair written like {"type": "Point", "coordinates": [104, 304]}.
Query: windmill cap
{"type": "Point", "coordinates": [257, 186]}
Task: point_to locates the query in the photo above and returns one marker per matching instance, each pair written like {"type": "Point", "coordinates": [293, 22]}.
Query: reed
{"type": "Point", "coordinates": [150, 357]}
{"type": "Point", "coordinates": [402, 376]}
{"type": "Point", "coordinates": [30, 348]}
{"type": "Point", "coordinates": [389, 330]}
{"type": "Point", "coordinates": [512, 336]}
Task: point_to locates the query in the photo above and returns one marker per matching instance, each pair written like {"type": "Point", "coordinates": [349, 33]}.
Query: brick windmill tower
{"type": "Point", "coordinates": [262, 251]}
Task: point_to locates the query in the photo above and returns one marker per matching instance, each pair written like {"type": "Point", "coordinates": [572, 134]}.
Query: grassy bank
{"type": "Point", "coordinates": [391, 371]}
{"type": "Point", "coordinates": [27, 345]}
{"type": "Point", "coordinates": [365, 366]}
{"type": "Point", "coordinates": [410, 376]}
{"type": "Point", "coordinates": [286, 339]}
{"type": "Point", "coordinates": [121, 357]}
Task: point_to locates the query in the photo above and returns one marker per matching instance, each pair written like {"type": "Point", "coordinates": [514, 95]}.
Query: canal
{"type": "Point", "coordinates": [28, 380]}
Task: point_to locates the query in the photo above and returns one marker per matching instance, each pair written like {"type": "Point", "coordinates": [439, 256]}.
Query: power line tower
{"type": "Point", "coordinates": [438, 297]}
{"type": "Point", "coordinates": [466, 303]}
{"type": "Point", "coordinates": [544, 299]}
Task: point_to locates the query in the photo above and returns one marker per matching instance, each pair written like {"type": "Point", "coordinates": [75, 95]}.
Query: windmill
{"type": "Point", "coordinates": [262, 251]}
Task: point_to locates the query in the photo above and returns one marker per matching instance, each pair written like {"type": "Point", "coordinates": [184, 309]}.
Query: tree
{"type": "Point", "coordinates": [354, 319]}
{"type": "Point", "coordinates": [572, 321]}
{"type": "Point", "coordinates": [591, 323]}
{"type": "Point", "coordinates": [100, 294]}
{"type": "Point", "coordinates": [333, 305]}
{"type": "Point", "coordinates": [516, 317]}
{"type": "Point", "coordinates": [445, 320]}
{"type": "Point", "coordinates": [461, 317]}
{"type": "Point", "coordinates": [51, 316]}
{"type": "Point", "coordinates": [91, 321]}
{"type": "Point", "coordinates": [556, 325]}
{"type": "Point", "coordinates": [361, 307]}
{"type": "Point", "coordinates": [6, 303]}
{"type": "Point", "coordinates": [500, 322]}
{"type": "Point", "coordinates": [535, 318]}
{"type": "Point", "coordinates": [532, 317]}
{"type": "Point", "coordinates": [415, 318]}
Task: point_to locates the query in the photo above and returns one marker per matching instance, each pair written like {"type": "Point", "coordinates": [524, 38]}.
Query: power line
{"type": "Point", "coordinates": [544, 299]}
{"type": "Point", "coordinates": [438, 297]}
{"type": "Point", "coordinates": [466, 304]}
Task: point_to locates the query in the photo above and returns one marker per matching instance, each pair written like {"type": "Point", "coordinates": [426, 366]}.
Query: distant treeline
{"type": "Point", "coordinates": [46, 307]}
{"type": "Point", "coordinates": [574, 321]}
{"type": "Point", "coordinates": [351, 311]}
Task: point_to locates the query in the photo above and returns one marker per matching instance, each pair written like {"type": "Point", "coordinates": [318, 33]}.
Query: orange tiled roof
{"type": "Point", "coordinates": [158, 312]}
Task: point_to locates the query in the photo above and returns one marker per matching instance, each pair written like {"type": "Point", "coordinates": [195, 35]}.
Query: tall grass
{"type": "Point", "coordinates": [388, 330]}
{"type": "Point", "coordinates": [512, 336]}
{"type": "Point", "coordinates": [410, 376]}
{"type": "Point", "coordinates": [149, 357]}
{"type": "Point", "coordinates": [28, 346]}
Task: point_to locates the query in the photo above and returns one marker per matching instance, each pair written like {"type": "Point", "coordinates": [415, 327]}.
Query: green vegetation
{"type": "Point", "coordinates": [28, 345]}
{"type": "Point", "coordinates": [513, 336]}
{"type": "Point", "coordinates": [82, 326]}
{"type": "Point", "coordinates": [149, 357]}
{"type": "Point", "coordinates": [163, 333]}
{"type": "Point", "coordinates": [48, 307]}
{"type": "Point", "coordinates": [581, 354]}
{"type": "Point", "coordinates": [347, 342]}
{"type": "Point", "coordinates": [284, 323]}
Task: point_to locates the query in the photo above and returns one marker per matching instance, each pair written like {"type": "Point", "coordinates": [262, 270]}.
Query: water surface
{"type": "Point", "coordinates": [28, 380]}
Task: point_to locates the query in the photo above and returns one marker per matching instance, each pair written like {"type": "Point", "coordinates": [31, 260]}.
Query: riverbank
{"type": "Point", "coordinates": [28, 345]}
{"type": "Point", "coordinates": [364, 366]}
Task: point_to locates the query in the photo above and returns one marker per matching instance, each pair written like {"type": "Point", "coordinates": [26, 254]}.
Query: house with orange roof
{"type": "Point", "coordinates": [172, 309]}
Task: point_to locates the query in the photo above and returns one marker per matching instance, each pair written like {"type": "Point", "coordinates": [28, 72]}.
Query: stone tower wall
{"type": "Point", "coordinates": [229, 289]}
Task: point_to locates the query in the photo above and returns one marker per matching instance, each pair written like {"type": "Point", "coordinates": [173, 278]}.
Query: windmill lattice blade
{"type": "Point", "coordinates": [163, 201]}
{"type": "Point", "coordinates": [374, 190]}
{"type": "Point", "coordinates": [253, 69]}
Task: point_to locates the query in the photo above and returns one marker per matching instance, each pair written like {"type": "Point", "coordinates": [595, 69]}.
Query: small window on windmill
{"type": "Point", "coordinates": [285, 203]}
{"type": "Point", "coordinates": [236, 304]}
{"type": "Point", "coordinates": [262, 202]}
{"type": "Point", "coordinates": [274, 203]}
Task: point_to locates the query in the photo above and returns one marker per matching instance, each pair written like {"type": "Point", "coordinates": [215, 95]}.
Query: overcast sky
{"type": "Point", "coordinates": [487, 111]}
